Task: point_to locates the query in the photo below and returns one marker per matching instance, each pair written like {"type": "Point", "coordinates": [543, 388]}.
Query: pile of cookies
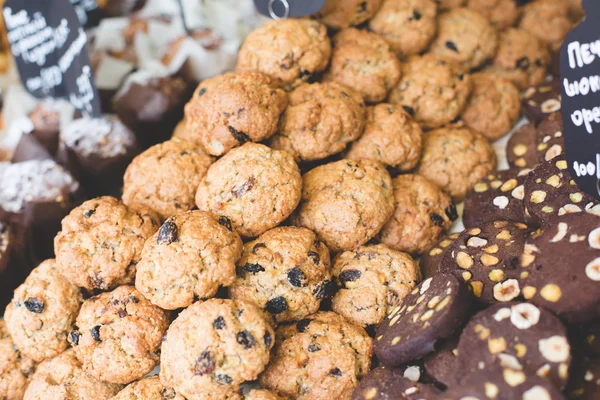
{"type": "Point", "coordinates": [292, 239]}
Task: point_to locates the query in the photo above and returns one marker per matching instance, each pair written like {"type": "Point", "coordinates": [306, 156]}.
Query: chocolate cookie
{"type": "Point", "coordinates": [320, 121]}
{"type": "Point", "coordinates": [189, 258]}
{"type": "Point", "coordinates": [213, 347]}
{"type": "Point", "coordinates": [319, 357]}
{"type": "Point", "coordinates": [407, 25]}
{"type": "Point", "coordinates": [339, 14]}
{"type": "Point", "coordinates": [502, 14]}
{"type": "Point", "coordinates": [441, 365]}
{"type": "Point", "coordinates": [346, 202]}
{"type": "Point", "coordinates": [255, 187]}
{"type": "Point", "coordinates": [101, 242]}
{"type": "Point", "coordinates": [372, 280]}
{"type": "Point", "coordinates": [521, 147]}
{"type": "Point", "coordinates": [364, 62]}
{"type": "Point", "coordinates": [455, 159]}
{"type": "Point", "coordinates": [519, 336]}
{"type": "Point", "coordinates": [388, 383]}
{"type": "Point", "coordinates": [584, 383]}
{"type": "Point", "coordinates": [541, 100]}
{"type": "Point", "coordinates": [431, 312]}
{"type": "Point", "coordinates": [432, 90]}
{"type": "Point", "coordinates": [15, 368]}
{"type": "Point", "coordinates": [148, 389]}
{"type": "Point", "coordinates": [290, 51]}
{"type": "Point", "coordinates": [548, 20]}
{"type": "Point", "coordinates": [231, 109]}
{"type": "Point", "coordinates": [497, 197]}
{"type": "Point", "coordinates": [285, 272]}
{"type": "Point", "coordinates": [391, 137]}
{"type": "Point", "coordinates": [423, 212]}
{"type": "Point", "coordinates": [430, 259]}
{"type": "Point", "coordinates": [466, 37]}
{"type": "Point", "coordinates": [549, 138]}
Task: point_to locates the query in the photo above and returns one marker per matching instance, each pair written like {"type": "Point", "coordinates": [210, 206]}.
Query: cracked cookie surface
{"type": "Point", "coordinates": [148, 389]}
{"type": "Point", "coordinates": [501, 13]}
{"type": "Point", "coordinates": [15, 368]}
{"type": "Point", "coordinates": [339, 14]}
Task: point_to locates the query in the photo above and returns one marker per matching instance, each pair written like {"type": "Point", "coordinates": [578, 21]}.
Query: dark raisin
{"type": "Point", "coordinates": [74, 337]}
{"type": "Point", "coordinates": [409, 110]}
{"type": "Point", "coordinates": [134, 299]}
{"type": "Point", "coordinates": [314, 257]}
{"type": "Point", "coordinates": [302, 325]}
{"type": "Point", "coordinates": [362, 7]}
{"type": "Point", "coordinates": [350, 275]}
{"type": "Point", "coordinates": [335, 372]}
{"type": "Point", "coordinates": [344, 95]}
{"type": "Point", "coordinates": [245, 187]}
{"type": "Point", "coordinates": [304, 73]}
{"type": "Point", "coordinates": [225, 222]}
{"type": "Point", "coordinates": [96, 333]}
{"type": "Point", "coordinates": [296, 277]}
{"type": "Point", "coordinates": [34, 305]}
{"type": "Point", "coordinates": [523, 63]}
{"type": "Point", "coordinates": [268, 339]}
{"type": "Point", "coordinates": [205, 364]}
{"type": "Point", "coordinates": [539, 63]}
{"type": "Point", "coordinates": [241, 137]}
{"type": "Point", "coordinates": [122, 313]}
{"type": "Point", "coordinates": [223, 379]}
{"type": "Point", "coordinates": [167, 394]}
{"type": "Point", "coordinates": [255, 268]}
{"type": "Point", "coordinates": [258, 246]}
{"type": "Point", "coordinates": [277, 305]}
{"type": "Point", "coordinates": [521, 3]}
{"type": "Point", "coordinates": [461, 77]}
{"type": "Point", "coordinates": [88, 213]}
{"type": "Point", "coordinates": [167, 233]}
{"type": "Point", "coordinates": [451, 212]}
{"type": "Point", "coordinates": [313, 348]}
{"type": "Point", "coordinates": [324, 291]}
{"type": "Point", "coordinates": [219, 323]}
{"type": "Point", "coordinates": [436, 219]}
{"type": "Point", "coordinates": [201, 92]}
{"type": "Point", "coordinates": [416, 16]}
{"type": "Point", "coordinates": [246, 339]}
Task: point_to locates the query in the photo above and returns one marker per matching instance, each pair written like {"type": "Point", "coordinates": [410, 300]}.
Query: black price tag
{"type": "Point", "coordinates": [49, 46]}
{"type": "Point", "coordinates": [88, 12]}
{"type": "Point", "coordinates": [282, 9]}
{"type": "Point", "coordinates": [580, 82]}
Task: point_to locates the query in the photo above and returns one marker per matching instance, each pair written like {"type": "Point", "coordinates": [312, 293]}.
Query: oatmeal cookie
{"type": "Point", "coordinates": [502, 14]}
{"type": "Point", "coordinates": [346, 202]}
{"type": "Point", "coordinates": [320, 121]}
{"type": "Point", "coordinates": [63, 377]}
{"type": "Point", "coordinates": [548, 20]}
{"type": "Point", "coordinates": [340, 14]}
{"type": "Point", "coordinates": [213, 347]}
{"type": "Point", "coordinates": [391, 137]}
{"type": "Point", "coordinates": [165, 177]}
{"type": "Point", "coordinates": [15, 368]}
{"type": "Point", "coordinates": [191, 255]}
{"type": "Point", "coordinates": [373, 279]}
{"type": "Point", "coordinates": [466, 37]}
{"type": "Point", "coordinates": [254, 186]}
{"type": "Point", "coordinates": [101, 242]}
{"type": "Point", "coordinates": [494, 107]}
{"type": "Point", "coordinates": [445, 5]}
{"type": "Point", "coordinates": [148, 389]}
{"type": "Point", "coordinates": [455, 159]}
{"type": "Point", "coordinates": [42, 312]}
{"type": "Point", "coordinates": [318, 358]}
{"type": "Point", "coordinates": [408, 25]}
{"type": "Point", "coordinates": [432, 90]}
{"type": "Point", "coordinates": [364, 62]}
{"type": "Point", "coordinates": [263, 394]}
{"type": "Point", "coordinates": [118, 335]}
{"type": "Point", "coordinates": [285, 271]}
{"type": "Point", "coordinates": [231, 109]}
{"type": "Point", "coordinates": [290, 51]}
{"type": "Point", "coordinates": [423, 212]}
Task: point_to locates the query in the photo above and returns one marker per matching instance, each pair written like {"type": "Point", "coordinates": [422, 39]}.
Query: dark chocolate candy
{"type": "Point", "coordinates": [430, 260]}
{"type": "Point", "coordinates": [542, 100]}
{"type": "Point", "coordinates": [389, 384]}
{"type": "Point", "coordinates": [521, 148]}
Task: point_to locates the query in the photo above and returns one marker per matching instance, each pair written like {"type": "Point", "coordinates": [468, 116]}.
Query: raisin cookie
{"type": "Point", "coordinates": [165, 177]}
{"type": "Point", "coordinates": [501, 13]}
{"type": "Point", "coordinates": [231, 109]}
{"type": "Point", "coordinates": [423, 212]}
{"type": "Point", "coordinates": [432, 90]}
{"type": "Point", "coordinates": [42, 312]}
{"type": "Point", "coordinates": [407, 25]}
{"type": "Point", "coordinates": [148, 389]}
{"type": "Point", "coordinates": [455, 159]}
{"type": "Point", "coordinates": [521, 58]}
{"type": "Point", "coordinates": [390, 383]}
{"type": "Point", "coordinates": [290, 51]}
{"type": "Point", "coordinates": [494, 107]}
{"type": "Point", "coordinates": [321, 357]}
{"type": "Point", "coordinates": [346, 202]}
{"type": "Point", "coordinates": [445, 5]}
{"type": "Point", "coordinates": [263, 394]}
{"type": "Point", "coordinates": [391, 137]}
{"type": "Point", "coordinates": [15, 368]}
{"type": "Point", "coordinates": [255, 187]}
{"type": "Point", "coordinates": [372, 280]}
{"type": "Point", "coordinates": [340, 14]}
{"type": "Point", "coordinates": [466, 37]}
{"type": "Point", "coordinates": [101, 242]}
{"type": "Point", "coordinates": [548, 20]}
{"type": "Point", "coordinates": [63, 377]}
{"type": "Point", "coordinates": [521, 147]}
{"type": "Point", "coordinates": [540, 101]}
{"type": "Point", "coordinates": [118, 335]}
{"type": "Point", "coordinates": [321, 119]}
{"type": "Point", "coordinates": [430, 259]}
{"type": "Point", "coordinates": [191, 255]}
{"type": "Point", "coordinates": [285, 272]}
{"type": "Point", "coordinates": [364, 62]}
{"type": "Point", "coordinates": [213, 347]}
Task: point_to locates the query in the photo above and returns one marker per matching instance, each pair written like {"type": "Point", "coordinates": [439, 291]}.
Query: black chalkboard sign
{"type": "Point", "coordinates": [88, 12]}
{"type": "Point", "coordinates": [281, 9]}
{"type": "Point", "coordinates": [49, 46]}
{"type": "Point", "coordinates": [580, 82]}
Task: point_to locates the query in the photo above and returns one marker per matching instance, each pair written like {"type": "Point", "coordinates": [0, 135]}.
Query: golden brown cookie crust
{"type": "Point", "coordinates": [15, 368]}
{"type": "Point", "coordinates": [364, 62]}
{"type": "Point", "coordinates": [190, 256]}
{"type": "Point", "coordinates": [391, 137]}
{"type": "Point", "coordinates": [346, 202]}
{"type": "Point", "coordinates": [340, 14]}
{"type": "Point", "coordinates": [289, 51]}
{"type": "Point", "coordinates": [372, 280]}
{"type": "Point", "coordinates": [254, 186]}
{"type": "Point", "coordinates": [118, 335]}
{"type": "Point", "coordinates": [231, 109]}
{"type": "Point", "coordinates": [165, 177]}
{"type": "Point", "coordinates": [548, 20]}
{"type": "Point", "coordinates": [445, 5]}
{"type": "Point", "coordinates": [407, 25]}
{"type": "Point", "coordinates": [321, 119]}
{"type": "Point", "coordinates": [501, 13]}
{"type": "Point", "coordinates": [455, 159]}
{"type": "Point", "coordinates": [263, 394]}
{"type": "Point", "coordinates": [148, 389]}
